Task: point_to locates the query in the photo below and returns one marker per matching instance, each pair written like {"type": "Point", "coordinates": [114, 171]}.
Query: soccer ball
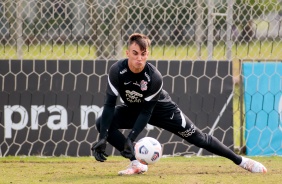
{"type": "Point", "coordinates": [148, 150]}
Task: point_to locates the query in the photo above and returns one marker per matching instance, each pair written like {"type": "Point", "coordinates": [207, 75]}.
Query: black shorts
{"type": "Point", "coordinates": [173, 120]}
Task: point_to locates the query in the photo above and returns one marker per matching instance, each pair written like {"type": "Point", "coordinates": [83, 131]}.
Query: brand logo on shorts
{"type": "Point", "coordinates": [188, 132]}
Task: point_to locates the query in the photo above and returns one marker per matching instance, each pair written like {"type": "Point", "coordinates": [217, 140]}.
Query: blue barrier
{"type": "Point", "coordinates": [263, 107]}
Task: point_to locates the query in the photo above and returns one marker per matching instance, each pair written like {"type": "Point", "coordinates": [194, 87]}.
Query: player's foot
{"type": "Point", "coordinates": [252, 166]}
{"type": "Point", "coordinates": [135, 167]}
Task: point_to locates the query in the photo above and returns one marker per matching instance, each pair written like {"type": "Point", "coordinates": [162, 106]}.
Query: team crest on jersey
{"type": "Point", "coordinates": [143, 85]}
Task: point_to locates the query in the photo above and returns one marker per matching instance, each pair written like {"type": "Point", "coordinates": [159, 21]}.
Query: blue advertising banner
{"type": "Point", "coordinates": [263, 107]}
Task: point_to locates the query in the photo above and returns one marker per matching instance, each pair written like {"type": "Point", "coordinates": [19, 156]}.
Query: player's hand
{"type": "Point", "coordinates": [99, 150]}
{"type": "Point", "coordinates": [128, 151]}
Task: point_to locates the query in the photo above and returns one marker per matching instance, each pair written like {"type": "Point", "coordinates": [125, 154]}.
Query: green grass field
{"type": "Point", "coordinates": [84, 170]}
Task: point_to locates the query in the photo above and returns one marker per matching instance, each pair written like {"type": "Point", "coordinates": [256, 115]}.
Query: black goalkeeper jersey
{"type": "Point", "coordinates": [134, 89]}
{"type": "Point", "coordinates": [142, 91]}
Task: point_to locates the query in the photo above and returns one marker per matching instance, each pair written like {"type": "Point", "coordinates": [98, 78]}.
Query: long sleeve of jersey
{"type": "Point", "coordinates": [109, 105]}
{"type": "Point", "coordinates": [107, 115]}
{"type": "Point", "coordinates": [142, 119]}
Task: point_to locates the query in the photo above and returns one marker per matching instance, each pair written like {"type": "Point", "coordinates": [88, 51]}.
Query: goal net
{"type": "Point", "coordinates": [55, 56]}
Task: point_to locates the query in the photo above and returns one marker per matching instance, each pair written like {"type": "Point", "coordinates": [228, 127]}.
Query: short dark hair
{"type": "Point", "coordinates": [142, 40]}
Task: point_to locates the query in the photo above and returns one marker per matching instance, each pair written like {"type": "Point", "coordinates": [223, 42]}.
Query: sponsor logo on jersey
{"type": "Point", "coordinates": [133, 96]}
{"type": "Point", "coordinates": [188, 132]}
{"type": "Point", "coordinates": [143, 85]}
{"type": "Point", "coordinates": [123, 71]}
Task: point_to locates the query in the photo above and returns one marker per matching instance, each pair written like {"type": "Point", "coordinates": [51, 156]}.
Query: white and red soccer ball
{"type": "Point", "coordinates": [148, 150]}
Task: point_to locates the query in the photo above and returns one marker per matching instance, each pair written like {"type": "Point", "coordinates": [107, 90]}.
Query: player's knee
{"type": "Point", "coordinates": [202, 139]}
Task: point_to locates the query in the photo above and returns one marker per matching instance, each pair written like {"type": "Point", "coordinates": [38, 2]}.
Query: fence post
{"type": "Point", "coordinates": [19, 30]}
{"type": "Point", "coordinates": [199, 27]}
{"type": "Point", "coordinates": [210, 29]}
{"type": "Point", "coordinates": [229, 23]}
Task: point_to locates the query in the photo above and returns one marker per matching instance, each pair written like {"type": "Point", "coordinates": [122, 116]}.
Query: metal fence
{"type": "Point", "coordinates": [179, 29]}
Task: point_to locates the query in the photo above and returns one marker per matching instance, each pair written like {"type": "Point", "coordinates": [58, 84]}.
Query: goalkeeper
{"type": "Point", "coordinates": [140, 87]}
